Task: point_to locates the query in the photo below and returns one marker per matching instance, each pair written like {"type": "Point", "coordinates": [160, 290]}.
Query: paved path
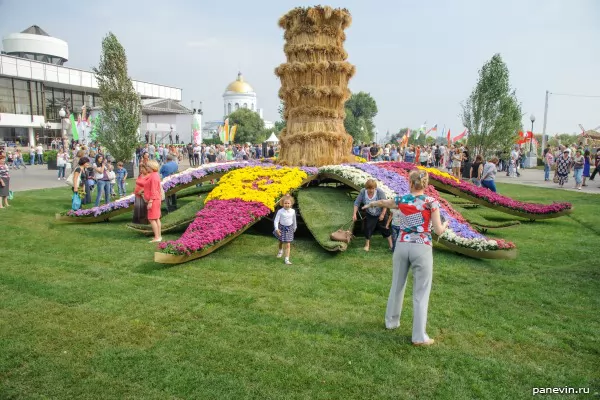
{"type": "Point", "coordinates": [39, 177]}
{"type": "Point", "coordinates": [535, 177]}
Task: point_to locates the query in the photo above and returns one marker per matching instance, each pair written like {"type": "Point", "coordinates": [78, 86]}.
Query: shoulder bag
{"type": "Point", "coordinates": [344, 234]}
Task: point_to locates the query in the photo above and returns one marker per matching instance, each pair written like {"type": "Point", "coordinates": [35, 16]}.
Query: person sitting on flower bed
{"type": "Point", "coordinates": [413, 251]}
{"type": "Point", "coordinates": [374, 216]}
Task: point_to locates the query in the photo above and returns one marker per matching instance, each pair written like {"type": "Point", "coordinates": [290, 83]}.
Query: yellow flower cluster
{"type": "Point", "coordinates": [359, 159]}
{"type": "Point", "coordinates": [262, 184]}
{"type": "Point", "coordinates": [435, 171]}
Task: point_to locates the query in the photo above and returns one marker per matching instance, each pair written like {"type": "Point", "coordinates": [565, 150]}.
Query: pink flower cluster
{"type": "Point", "coordinates": [216, 221]}
{"type": "Point", "coordinates": [491, 197]}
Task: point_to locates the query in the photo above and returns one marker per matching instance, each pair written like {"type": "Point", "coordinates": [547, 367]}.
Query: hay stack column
{"type": "Point", "coordinates": [314, 87]}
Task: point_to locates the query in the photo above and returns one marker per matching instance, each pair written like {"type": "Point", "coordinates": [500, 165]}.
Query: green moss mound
{"type": "Point", "coordinates": [324, 210]}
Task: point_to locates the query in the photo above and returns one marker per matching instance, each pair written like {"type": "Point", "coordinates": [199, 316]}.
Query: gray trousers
{"type": "Point", "coordinates": [419, 257]}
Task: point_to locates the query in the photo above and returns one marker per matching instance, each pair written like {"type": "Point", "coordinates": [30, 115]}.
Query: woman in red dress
{"type": "Point", "coordinates": [152, 196]}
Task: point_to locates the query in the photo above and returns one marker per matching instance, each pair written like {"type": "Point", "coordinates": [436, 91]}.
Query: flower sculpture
{"type": "Point", "coordinates": [314, 87]}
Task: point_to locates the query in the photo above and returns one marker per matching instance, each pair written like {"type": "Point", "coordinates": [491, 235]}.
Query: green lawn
{"type": "Point", "coordinates": [86, 314]}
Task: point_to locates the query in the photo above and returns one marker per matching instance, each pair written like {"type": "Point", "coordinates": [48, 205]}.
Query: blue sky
{"type": "Point", "coordinates": [418, 59]}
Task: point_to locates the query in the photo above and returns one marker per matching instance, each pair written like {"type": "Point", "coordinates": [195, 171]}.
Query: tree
{"type": "Point", "coordinates": [361, 108]}
{"type": "Point", "coordinates": [121, 106]}
{"type": "Point", "coordinates": [279, 125]}
{"type": "Point", "coordinates": [492, 113]}
{"type": "Point", "coordinates": [251, 128]}
{"type": "Point", "coordinates": [562, 138]}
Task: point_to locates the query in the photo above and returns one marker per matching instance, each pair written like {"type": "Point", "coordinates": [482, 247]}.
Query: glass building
{"type": "Point", "coordinates": [35, 85]}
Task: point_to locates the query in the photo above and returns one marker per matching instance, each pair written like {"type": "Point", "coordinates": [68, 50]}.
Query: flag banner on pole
{"type": "Point", "coordinates": [226, 131]}
{"type": "Point", "coordinates": [457, 138]}
{"type": "Point", "coordinates": [433, 129]}
{"type": "Point", "coordinates": [232, 133]}
{"type": "Point", "coordinates": [448, 136]}
{"type": "Point", "coordinates": [74, 131]}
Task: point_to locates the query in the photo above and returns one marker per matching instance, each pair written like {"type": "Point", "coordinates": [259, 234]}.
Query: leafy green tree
{"type": "Point", "coordinates": [279, 125]}
{"type": "Point", "coordinates": [361, 108]}
{"type": "Point", "coordinates": [563, 138]}
{"type": "Point", "coordinates": [492, 113]}
{"type": "Point", "coordinates": [121, 105]}
{"type": "Point", "coordinates": [251, 128]}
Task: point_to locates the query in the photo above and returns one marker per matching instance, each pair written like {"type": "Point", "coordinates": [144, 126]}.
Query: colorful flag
{"type": "Point", "coordinates": [433, 129]}
{"type": "Point", "coordinates": [226, 132]}
{"type": "Point", "coordinates": [74, 127]}
{"type": "Point", "coordinates": [448, 136]}
{"type": "Point", "coordinates": [462, 135]}
{"type": "Point", "coordinates": [232, 133]}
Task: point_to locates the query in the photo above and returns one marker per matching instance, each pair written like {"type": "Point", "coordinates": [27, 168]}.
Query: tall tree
{"type": "Point", "coordinates": [492, 113]}
{"type": "Point", "coordinates": [279, 125]}
{"type": "Point", "coordinates": [251, 128]}
{"type": "Point", "coordinates": [361, 108]}
{"type": "Point", "coordinates": [121, 106]}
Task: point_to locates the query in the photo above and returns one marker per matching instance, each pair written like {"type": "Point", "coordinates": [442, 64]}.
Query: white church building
{"type": "Point", "coordinates": [239, 94]}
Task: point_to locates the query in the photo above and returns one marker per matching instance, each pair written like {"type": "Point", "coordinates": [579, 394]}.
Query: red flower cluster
{"type": "Point", "coordinates": [216, 221]}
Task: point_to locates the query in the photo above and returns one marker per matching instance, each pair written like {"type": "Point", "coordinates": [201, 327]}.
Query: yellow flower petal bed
{"type": "Point", "coordinates": [262, 184]}
{"type": "Point", "coordinates": [359, 159]}
{"type": "Point", "coordinates": [435, 171]}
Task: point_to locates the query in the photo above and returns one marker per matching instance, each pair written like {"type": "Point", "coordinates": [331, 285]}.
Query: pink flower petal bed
{"type": "Point", "coordinates": [218, 220]}
{"type": "Point", "coordinates": [487, 195]}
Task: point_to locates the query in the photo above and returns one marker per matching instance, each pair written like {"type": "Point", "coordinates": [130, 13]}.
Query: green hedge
{"type": "Point", "coordinates": [49, 155]}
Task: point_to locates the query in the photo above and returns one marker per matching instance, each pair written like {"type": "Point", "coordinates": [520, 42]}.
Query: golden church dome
{"type": "Point", "coordinates": [239, 86]}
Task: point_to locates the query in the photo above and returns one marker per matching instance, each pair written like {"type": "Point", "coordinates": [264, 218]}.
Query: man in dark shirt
{"type": "Point", "coordinates": [190, 152]}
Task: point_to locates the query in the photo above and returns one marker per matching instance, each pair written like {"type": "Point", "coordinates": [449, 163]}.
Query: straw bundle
{"type": "Point", "coordinates": [314, 87]}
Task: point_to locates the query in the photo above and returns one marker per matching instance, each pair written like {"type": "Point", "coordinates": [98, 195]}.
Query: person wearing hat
{"type": "Point", "coordinates": [563, 167]}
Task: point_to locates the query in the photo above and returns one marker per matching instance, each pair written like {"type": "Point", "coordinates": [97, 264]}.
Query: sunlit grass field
{"type": "Point", "coordinates": [86, 314]}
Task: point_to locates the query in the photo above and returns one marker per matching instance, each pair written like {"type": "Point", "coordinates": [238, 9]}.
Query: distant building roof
{"type": "Point", "coordinates": [35, 30]}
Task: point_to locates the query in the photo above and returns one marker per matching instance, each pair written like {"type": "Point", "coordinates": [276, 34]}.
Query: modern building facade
{"type": "Point", "coordinates": [35, 86]}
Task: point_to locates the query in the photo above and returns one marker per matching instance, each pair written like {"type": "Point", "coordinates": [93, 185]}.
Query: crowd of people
{"type": "Point", "coordinates": [576, 159]}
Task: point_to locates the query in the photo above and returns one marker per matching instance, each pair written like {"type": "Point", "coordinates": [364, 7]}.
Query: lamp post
{"type": "Point", "coordinates": [531, 158]}
{"type": "Point", "coordinates": [532, 119]}
{"type": "Point", "coordinates": [62, 114]}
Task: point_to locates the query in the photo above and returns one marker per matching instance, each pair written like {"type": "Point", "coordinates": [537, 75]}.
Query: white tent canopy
{"type": "Point", "coordinates": [272, 138]}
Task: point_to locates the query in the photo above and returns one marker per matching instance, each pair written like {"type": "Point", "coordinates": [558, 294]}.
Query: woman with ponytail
{"type": "Point", "coordinates": [413, 251]}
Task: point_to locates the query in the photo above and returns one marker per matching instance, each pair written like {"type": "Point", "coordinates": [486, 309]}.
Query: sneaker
{"type": "Point", "coordinates": [280, 254]}
{"type": "Point", "coordinates": [287, 262]}
{"type": "Point", "coordinates": [428, 342]}
{"type": "Point", "coordinates": [59, 179]}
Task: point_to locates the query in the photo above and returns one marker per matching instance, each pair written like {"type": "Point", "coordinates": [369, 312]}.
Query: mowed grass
{"type": "Point", "coordinates": [86, 314]}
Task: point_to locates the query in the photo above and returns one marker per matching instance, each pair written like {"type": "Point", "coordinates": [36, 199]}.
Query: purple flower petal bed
{"type": "Point", "coordinates": [493, 200]}
{"type": "Point", "coordinates": [399, 184]}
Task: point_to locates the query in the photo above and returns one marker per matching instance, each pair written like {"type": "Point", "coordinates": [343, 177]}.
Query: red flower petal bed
{"type": "Point", "coordinates": [486, 194]}
{"type": "Point", "coordinates": [216, 221]}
